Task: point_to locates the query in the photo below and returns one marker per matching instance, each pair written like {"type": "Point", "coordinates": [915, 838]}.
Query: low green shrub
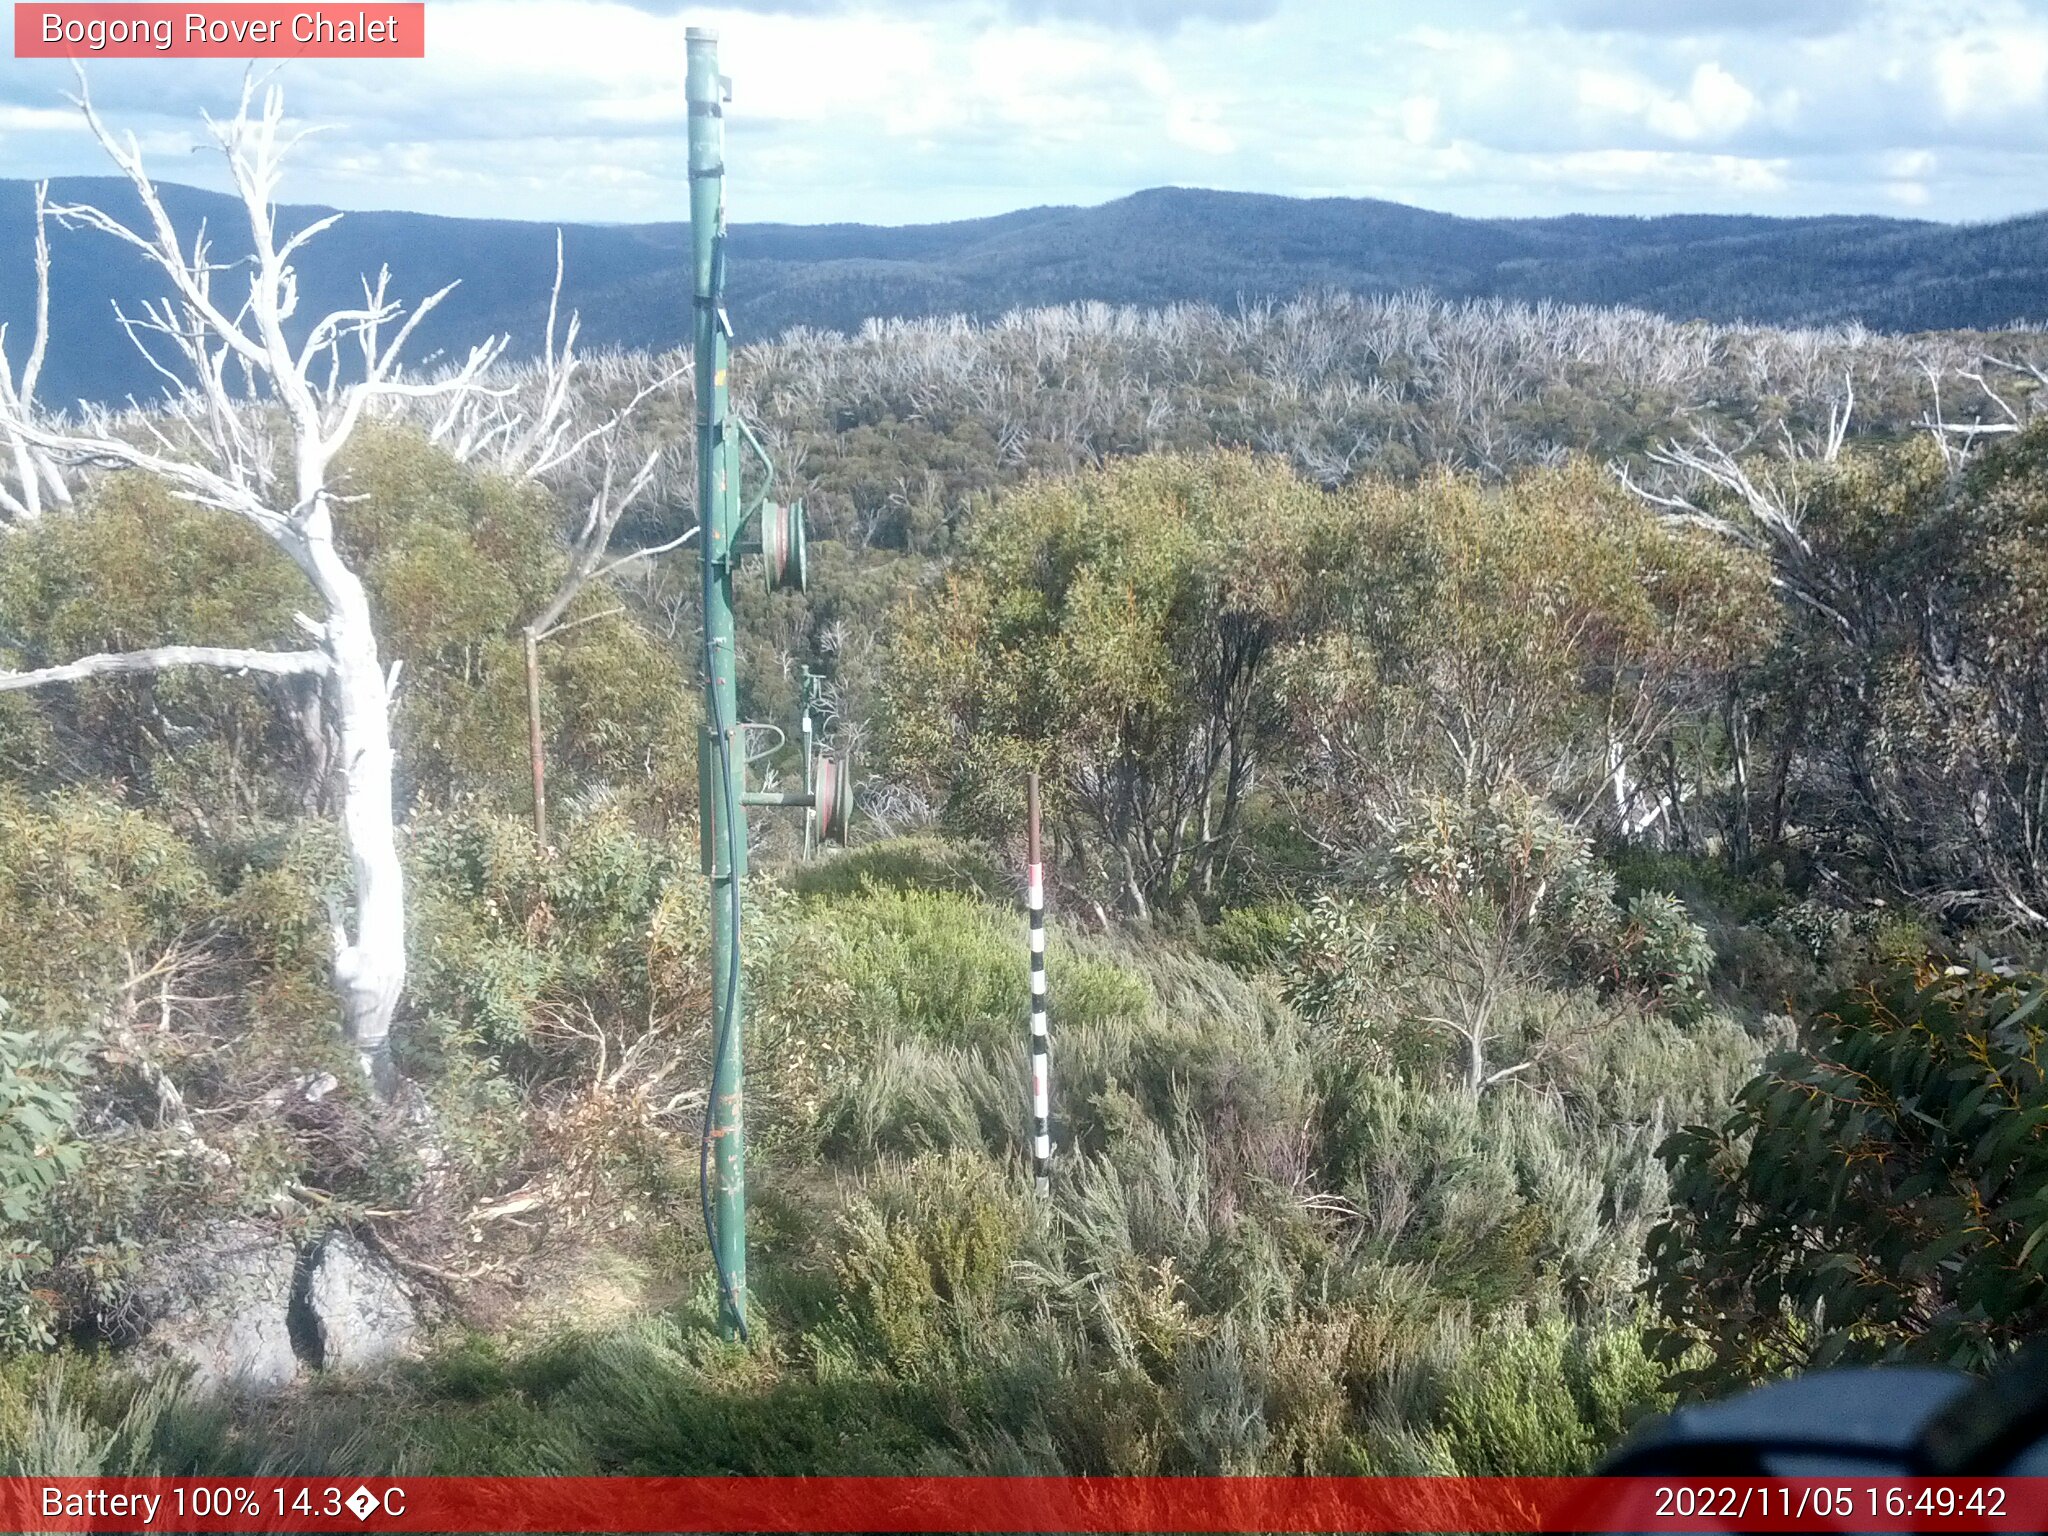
{"type": "Point", "coordinates": [1251, 939]}
{"type": "Point", "coordinates": [922, 863]}
{"type": "Point", "coordinates": [91, 892]}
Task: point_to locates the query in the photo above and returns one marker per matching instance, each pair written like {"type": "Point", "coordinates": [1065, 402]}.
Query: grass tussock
{"type": "Point", "coordinates": [1261, 1254]}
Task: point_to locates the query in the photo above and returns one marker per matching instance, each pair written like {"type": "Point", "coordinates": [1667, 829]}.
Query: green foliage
{"type": "Point", "coordinates": [894, 1015]}
{"type": "Point", "coordinates": [1509, 864]}
{"type": "Point", "coordinates": [1358, 1177]}
{"type": "Point", "coordinates": [1339, 961]}
{"type": "Point", "coordinates": [1261, 1255]}
{"type": "Point", "coordinates": [282, 884]}
{"type": "Point", "coordinates": [89, 893]}
{"type": "Point", "coordinates": [1479, 908]}
{"type": "Point", "coordinates": [1251, 939]}
{"type": "Point", "coordinates": [1904, 689]}
{"type": "Point", "coordinates": [1876, 1194]}
{"type": "Point", "coordinates": [113, 947]}
{"type": "Point", "coordinates": [932, 966]}
{"type": "Point", "coordinates": [1662, 955]}
{"type": "Point", "coordinates": [70, 1416]}
{"type": "Point", "coordinates": [903, 864]}
{"type": "Point", "coordinates": [1542, 1399]}
{"type": "Point", "coordinates": [455, 559]}
{"type": "Point", "coordinates": [909, 1097]}
{"type": "Point", "coordinates": [39, 1078]}
{"type": "Point", "coordinates": [509, 937]}
{"type": "Point", "coordinates": [1116, 629]}
{"type": "Point", "coordinates": [573, 982]}
{"type": "Point", "coordinates": [924, 1255]}
{"type": "Point", "coordinates": [925, 965]}
{"type": "Point", "coordinates": [1509, 876]}
{"type": "Point", "coordinates": [456, 562]}
{"type": "Point", "coordinates": [135, 566]}
{"type": "Point", "coordinates": [1500, 1198]}
{"type": "Point", "coordinates": [1479, 636]}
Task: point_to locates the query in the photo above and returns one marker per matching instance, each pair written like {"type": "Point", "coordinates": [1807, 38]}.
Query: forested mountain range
{"type": "Point", "coordinates": [1546, 878]}
{"type": "Point", "coordinates": [1160, 246]}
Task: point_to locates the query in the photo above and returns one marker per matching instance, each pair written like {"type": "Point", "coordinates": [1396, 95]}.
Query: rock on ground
{"type": "Point", "coordinates": [219, 1302]}
{"type": "Point", "coordinates": [357, 1310]}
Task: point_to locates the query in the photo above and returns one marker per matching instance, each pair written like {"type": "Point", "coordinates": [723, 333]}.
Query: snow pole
{"type": "Point", "coordinates": [1041, 1045]}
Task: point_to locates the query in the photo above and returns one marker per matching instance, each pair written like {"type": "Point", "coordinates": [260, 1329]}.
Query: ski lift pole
{"type": "Point", "coordinates": [727, 530]}
{"type": "Point", "coordinates": [1041, 1045]}
{"type": "Point", "coordinates": [721, 749]}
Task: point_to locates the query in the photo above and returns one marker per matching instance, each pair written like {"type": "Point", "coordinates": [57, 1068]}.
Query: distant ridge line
{"type": "Point", "coordinates": [1156, 247]}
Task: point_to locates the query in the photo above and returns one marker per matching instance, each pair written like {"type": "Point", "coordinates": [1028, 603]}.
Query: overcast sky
{"type": "Point", "coordinates": [910, 110]}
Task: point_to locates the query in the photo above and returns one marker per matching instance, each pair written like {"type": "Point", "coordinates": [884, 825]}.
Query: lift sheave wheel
{"type": "Point", "coordinates": [834, 791]}
{"type": "Point", "coordinates": [785, 549]}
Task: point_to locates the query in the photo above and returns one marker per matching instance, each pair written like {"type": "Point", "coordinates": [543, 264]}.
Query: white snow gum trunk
{"type": "Point", "coordinates": [214, 441]}
{"type": "Point", "coordinates": [369, 965]}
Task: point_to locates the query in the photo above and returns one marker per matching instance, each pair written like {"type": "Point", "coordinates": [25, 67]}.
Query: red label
{"type": "Point", "coordinates": [383, 1506]}
{"type": "Point", "coordinates": [216, 30]}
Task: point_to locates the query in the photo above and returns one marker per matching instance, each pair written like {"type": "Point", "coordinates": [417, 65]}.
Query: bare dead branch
{"type": "Point", "coordinates": [165, 657]}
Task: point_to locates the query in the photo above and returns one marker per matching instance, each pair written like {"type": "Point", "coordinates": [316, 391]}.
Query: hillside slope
{"type": "Point", "coordinates": [1156, 247]}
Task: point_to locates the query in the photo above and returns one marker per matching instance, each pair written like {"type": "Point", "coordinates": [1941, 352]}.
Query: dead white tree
{"type": "Point", "coordinates": [35, 473]}
{"type": "Point", "coordinates": [251, 426]}
{"type": "Point", "coordinates": [2011, 409]}
{"type": "Point", "coordinates": [546, 429]}
{"type": "Point", "coordinates": [588, 549]}
{"type": "Point", "coordinates": [1762, 501]}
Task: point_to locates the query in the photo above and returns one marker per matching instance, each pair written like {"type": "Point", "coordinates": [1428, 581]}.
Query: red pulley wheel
{"type": "Point", "coordinates": [834, 787]}
{"type": "Point", "coordinates": [785, 547]}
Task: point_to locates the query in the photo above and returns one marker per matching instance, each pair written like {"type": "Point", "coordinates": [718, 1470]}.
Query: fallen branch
{"type": "Point", "coordinates": [164, 657]}
{"type": "Point", "coordinates": [406, 1262]}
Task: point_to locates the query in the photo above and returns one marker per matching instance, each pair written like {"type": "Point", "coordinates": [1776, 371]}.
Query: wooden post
{"type": "Point", "coordinates": [534, 743]}
{"type": "Point", "coordinates": [1041, 1058]}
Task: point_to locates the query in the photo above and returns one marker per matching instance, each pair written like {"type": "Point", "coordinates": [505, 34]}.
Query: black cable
{"type": "Point", "coordinates": [728, 1015]}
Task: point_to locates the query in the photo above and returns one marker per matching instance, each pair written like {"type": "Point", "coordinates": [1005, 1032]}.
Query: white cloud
{"type": "Point", "coordinates": [36, 120]}
{"type": "Point", "coordinates": [1624, 170]}
{"type": "Point", "coordinates": [1609, 94]}
{"type": "Point", "coordinates": [1714, 106]}
{"type": "Point", "coordinates": [1197, 125]}
{"type": "Point", "coordinates": [903, 110]}
{"type": "Point", "coordinates": [1419, 117]}
{"type": "Point", "coordinates": [1992, 74]}
{"type": "Point", "coordinates": [1692, 17]}
{"type": "Point", "coordinates": [1060, 88]}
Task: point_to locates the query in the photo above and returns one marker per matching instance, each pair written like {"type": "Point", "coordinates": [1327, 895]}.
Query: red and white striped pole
{"type": "Point", "coordinates": [1041, 1060]}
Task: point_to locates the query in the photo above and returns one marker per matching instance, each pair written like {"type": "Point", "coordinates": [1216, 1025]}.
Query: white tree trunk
{"type": "Point", "coordinates": [30, 506]}
{"type": "Point", "coordinates": [235, 470]}
{"type": "Point", "coordinates": [369, 966]}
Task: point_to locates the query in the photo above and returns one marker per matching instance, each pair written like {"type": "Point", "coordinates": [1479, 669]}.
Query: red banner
{"type": "Point", "coordinates": [991, 1504]}
{"type": "Point", "coordinates": [216, 30]}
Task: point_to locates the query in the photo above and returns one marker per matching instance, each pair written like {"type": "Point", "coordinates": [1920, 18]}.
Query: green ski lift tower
{"type": "Point", "coordinates": [729, 528]}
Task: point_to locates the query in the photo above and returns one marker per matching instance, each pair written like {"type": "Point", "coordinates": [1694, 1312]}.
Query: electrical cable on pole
{"type": "Point", "coordinates": [777, 533]}
{"type": "Point", "coordinates": [722, 1151]}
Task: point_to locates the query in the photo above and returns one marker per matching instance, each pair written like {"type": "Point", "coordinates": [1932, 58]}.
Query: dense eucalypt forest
{"type": "Point", "coordinates": [1547, 826]}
